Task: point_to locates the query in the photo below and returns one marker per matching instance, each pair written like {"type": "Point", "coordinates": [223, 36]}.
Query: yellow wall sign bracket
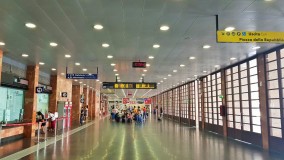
{"type": "Point", "coordinates": [250, 37]}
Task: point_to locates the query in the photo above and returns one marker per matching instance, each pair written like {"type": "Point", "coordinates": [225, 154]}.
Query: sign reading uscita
{"type": "Point", "coordinates": [250, 37]}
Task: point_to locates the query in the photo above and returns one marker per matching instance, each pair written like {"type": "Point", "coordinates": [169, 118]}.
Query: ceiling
{"type": "Point", "coordinates": [131, 27]}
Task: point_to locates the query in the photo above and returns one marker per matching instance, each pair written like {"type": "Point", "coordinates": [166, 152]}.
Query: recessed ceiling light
{"type": "Point", "coordinates": [84, 84]}
{"type": "Point", "coordinates": [217, 66]}
{"type": "Point", "coordinates": [53, 69]}
{"type": "Point", "coordinates": [165, 78]}
{"type": "Point", "coordinates": [84, 69]}
{"type": "Point", "coordinates": [164, 28]}
{"type": "Point", "coordinates": [182, 65]}
{"type": "Point", "coordinates": [182, 81]}
{"type": "Point", "coordinates": [195, 75]}
{"type": "Point", "coordinates": [115, 70]}
{"type": "Point", "coordinates": [143, 74]}
{"type": "Point", "coordinates": [113, 64]}
{"type": "Point", "coordinates": [97, 80]}
{"type": "Point", "coordinates": [41, 63]}
{"type": "Point", "coordinates": [109, 56]}
{"type": "Point", "coordinates": [75, 80]}
{"type": "Point", "coordinates": [25, 55]}
{"type": "Point", "coordinates": [62, 73]}
{"type": "Point", "coordinates": [204, 71]}
{"type": "Point", "coordinates": [151, 57]}
{"type": "Point", "coordinates": [145, 70]}
{"type": "Point", "coordinates": [169, 75]}
{"type": "Point", "coordinates": [148, 65]}
{"type": "Point", "coordinates": [101, 82]}
{"type": "Point", "coordinates": [141, 77]}
{"type": "Point", "coordinates": [206, 46]}
{"type": "Point", "coordinates": [188, 78]}
{"type": "Point", "coordinates": [53, 44]}
{"type": "Point", "coordinates": [2, 44]}
{"type": "Point", "coordinates": [174, 85]}
{"type": "Point", "coordinates": [118, 77]}
{"type": "Point", "coordinates": [161, 81]}
{"type": "Point", "coordinates": [156, 46]}
{"type": "Point", "coordinates": [117, 74]}
{"type": "Point", "coordinates": [119, 80]}
{"type": "Point", "coordinates": [174, 70]}
{"type": "Point", "coordinates": [105, 45]}
{"type": "Point", "coordinates": [256, 47]}
{"type": "Point", "coordinates": [191, 58]}
{"type": "Point", "coordinates": [229, 29]}
{"type": "Point", "coordinates": [30, 25]}
{"type": "Point", "coordinates": [233, 58]}
{"type": "Point", "coordinates": [98, 27]}
{"type": "Point", "coordinates": [80, 82]}
{"type": "Point", "coordinates": [77, 64]}
{"type": "Point", "coordinates": [67, 55]}
{"type": "Point", "coordinates": [177, 83]}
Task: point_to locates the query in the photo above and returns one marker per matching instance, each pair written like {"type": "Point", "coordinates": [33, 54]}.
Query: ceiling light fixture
{"type": "Point", "coordinates": [98, 27]}
{"type": "Point", "coordinates": [169, 75]}
{"type": "Point", "coordinates": [80, 82]}
{"type": "Point", "coordinates": [175, 71]}
{"type": "Point", "coordinates": [30, 25]}
{"type": "Point", "coordinates": [233, 58]}
{"type": "Point", "coordinates": [84, 69]}
{"type": "Point", "coordinates": [256, 47]}
{"type": "Point", "coordinates": [165, 78]}
{"type": "Point", "coordinates": [161, 81]}
{"type": "Point", "coordinates": [115, 70]}
{"type": "Point", "coordinates": [41, 63]}
{"type": "Point", "coordinates": [53, 44]}
{"type": "Point", "coordinates": [67, 55]}
{"type": "Point", "coordinates": [97, 80]}
{"type": "Point", "coordinates": [119, 80]}
{"type": "Point", "coordinates": [148, 65]}
{"type": "Point", "coordinates": [75, 80]}
{"type": "Point", "coordinates": [53, 69]}
{"type": "Point", "coordinates": [2, 44]}
{"type": "Point", "coordinates": [217, 66]}
{"type": "Point", "coordinates": [229, 29]}
{"type": "Point", "coordinates": [109, 56]}
{"type": "Point", "coordinates": [117, 74]}
{"type": "Point", "coordinates": [164, 28]}
{"type": "Point", "coordinates": [105, 45]}
{"type": "Point", "coordinates": [204, 71]}
{"type": "Point", "coordinates": [191, 58]}
{"type": "Point", "coordinates": [77, 64]}
{"type": "Point", "coordinates": [62, 73]}
{"type": "Point", "coordinates": [25, 55]}
{"type": "Point", "coordinates": [182, 65]}
{"type": "Point", "coordinates": [113, 64]}
{"type": "Point", "coordinates": [145, 70]}
{"type": "Point", "coordinates": [156, 46]}
{"type": "Point", "coordinates": [151, 57]}
{"type": "Point", "coordinates": [206, 46]}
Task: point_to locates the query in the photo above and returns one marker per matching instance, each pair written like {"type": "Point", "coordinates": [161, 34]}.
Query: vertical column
{"type": "Point", "coordinates": [202, 104]}
{"type": "Point", "coordinates": [31, 100]}
{"type": "Point", "coordinates": [77, 90]}
{"type": "Point", "coordinates": [263, 101]}
{"type": "Point", "coordinates": [1, 60]}
{"type": "Point", "coordinates": [90, 103]}
{"type": "Point", "coordinates": [224, 102]}
{"type": "Point", "coordinates": [179, 103]}
{"type": "Point", "coordinates": [85, 92]}
{"type": "Point", "coordinates": [94, 104]}
{"type": "Point", "coordinates": [196, 88]}
{"type": "Point", "coordinates": [53, 95]}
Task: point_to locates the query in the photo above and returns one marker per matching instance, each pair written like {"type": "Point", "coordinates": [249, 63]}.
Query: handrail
{"type": "Point", "coordinates": [17, 124]}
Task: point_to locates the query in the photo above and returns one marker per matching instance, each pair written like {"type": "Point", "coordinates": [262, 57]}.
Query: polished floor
{"type": "Point", "coordinates": [152, 140]}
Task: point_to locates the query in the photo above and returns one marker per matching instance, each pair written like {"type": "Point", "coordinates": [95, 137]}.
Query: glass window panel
{"type": "Point", "coordinates": [254, 95]}
{"type": "Point", "coordinates": [273, 93]}
{"type": "Point", "coordinates": [228, 71]}
{"type": "Point", "coordinates": [231, 125]}
{"type": "Point", "coordinates": [245, 96]}
{"type": "Point", "coordinates": [244, 81]}
{"type": "Point", "coordinates": [244, 88]}
{"type": "Point", "coordinates": [256, 120]}
{"type": "Point", "coordinates": [253, 71]}
{"type": "Point", "coordinates": [255, 112]}
{"type": "Point", "coordinates": [235, 76]}
{"type": "Point", "coordinates": [271, 56]}
{"type": "Point", "coordinates": [276, 132]}
{"type": "Point", "coordinates": [236, 90]}
{"type": "Point", "coordinates": [256, 129]}
{"type": "Point", "coordinates": [236, 97]}
{"type": "Point", "coordinates": [243, 66]}
{"type": "Point", "coordinates": [244, 73]}
{"type": "Point", "coordinates": [272, 65]}
{"type": "Point", "coordinates": [254, 87]}
{"type": "Point", "coordinates": [274, 113]}
{"type": "Point", "coordinates": [274, 103]}
{"type": "Point", "coordinates": [252, 63]}
{"type": "Point", "coordinates": [272, 84]}
{"type": "Point", "coordinates": [281, 53]}
{"type": "Point", "coordinates": [253, 79]}
{"type": "Point", "coordinates": [245, 112]}
{"type": "Point", "coordinates": [246, 119]}
{"type": "Point", "coordinates": [272, 75]}
{"type": "Point", "coordinates": [238, 126]}
{"type": "Point", "coordinates": [238, 118]}
{"type": "Point", "coordinates": [275, 122]}
{"type": "Point", "coordinates": [246, 127]}
{"type": "Point", "coordinates": [235, 69]}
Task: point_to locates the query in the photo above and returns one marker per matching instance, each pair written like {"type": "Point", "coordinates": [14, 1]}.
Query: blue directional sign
{"type": "Point", "coordinates": [81, 76]}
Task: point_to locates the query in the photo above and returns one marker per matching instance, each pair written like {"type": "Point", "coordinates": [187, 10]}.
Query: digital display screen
{"type": "Point", "coordinates": [139, 64]}
{"type": "Point", "coordinates": [129, 85]}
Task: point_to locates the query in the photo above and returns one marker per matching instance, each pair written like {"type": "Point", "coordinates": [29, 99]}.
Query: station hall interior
{"type": "Point", "coordinates": [142, 79]}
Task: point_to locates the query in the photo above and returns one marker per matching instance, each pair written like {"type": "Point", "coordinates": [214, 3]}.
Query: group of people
{"type": "Point", "coordinates": [84, 114]}
{"type": "Point", "coordinates": [40, 118]}
{"type": "Point", "coordinates": [129, 114]}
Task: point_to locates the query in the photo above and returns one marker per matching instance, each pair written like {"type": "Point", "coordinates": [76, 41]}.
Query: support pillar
{"type": "Point", "coordinates": [1, 60]}
{"type": "Point", "coordinates": [94, 104]}
{"type": "Point", "coordinates": [202, 104]}
{"type": "Point", "coordinates": [31, 100]}
{"type": "Point", "coordinates": [53, 96]}
{"type": "Point", "coordinates": [224, 102]}
{"type": "Point", "coordinates": [77, 90]}
{"type": "Point", "coordinates": [90, 103]}
{"type": "Point", "coordinates": [262, 101]}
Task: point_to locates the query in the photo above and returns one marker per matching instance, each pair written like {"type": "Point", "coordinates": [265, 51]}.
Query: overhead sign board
{"type": "Point", "coordinates": [129, 85]}
{"type": "Point", "coordinates": [81, 76]}
{"type": "Point", "coordinates": [250, 37]}
{"type": "Point", "coordinates": [107, 91]}
{"type": "Point", "coordinates": [139, 64]}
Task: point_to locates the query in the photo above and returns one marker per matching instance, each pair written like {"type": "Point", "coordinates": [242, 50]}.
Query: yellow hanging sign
{"type": "Point", "coordinates": [250, 37]}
